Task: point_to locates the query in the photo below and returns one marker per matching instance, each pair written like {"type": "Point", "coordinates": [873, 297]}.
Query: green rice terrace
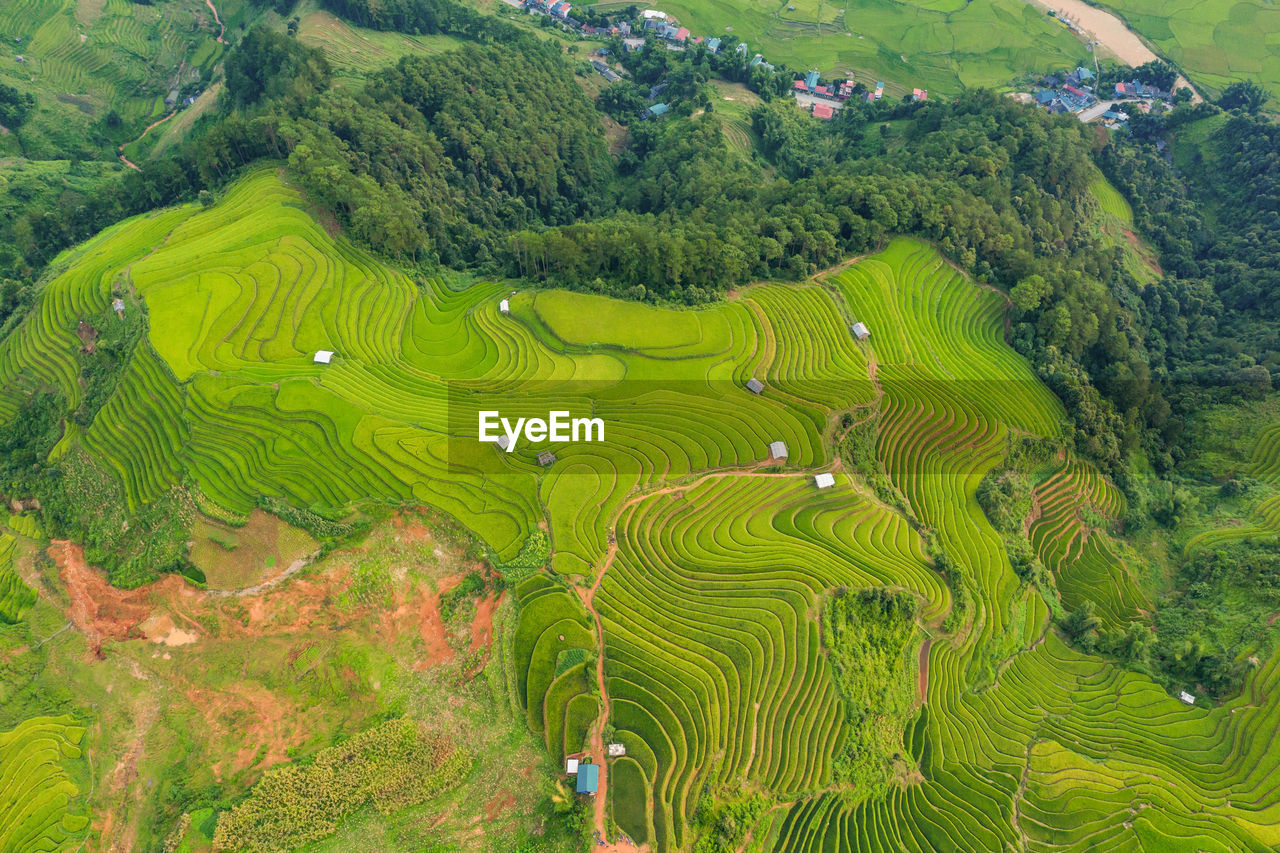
{"type": "Point", "coordinates": [787, 667]}
{"type": "Point", "coordinates": [106, 66]}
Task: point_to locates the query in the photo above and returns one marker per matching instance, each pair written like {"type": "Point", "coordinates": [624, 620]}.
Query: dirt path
{"type": "Point", "coordinates": [222, 28]}
{"type": "Point", "coordinates": [1099, 25]}
{"type": "Point", "coordinates": [922, 684]}
{"type": "Point", "coordinates": [146, 130]}
{"type": "Point", "coordinates": [294, 567]}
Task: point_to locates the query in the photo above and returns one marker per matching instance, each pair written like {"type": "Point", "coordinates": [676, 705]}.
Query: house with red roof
{"type": "Point", "coordinates": [823, 111]}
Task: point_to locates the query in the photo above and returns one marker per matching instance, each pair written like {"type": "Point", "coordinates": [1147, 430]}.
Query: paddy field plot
{"type": "Point", "coordinates": [1214, 43]}
{"type": "Point", "coordinates": [715, 558]}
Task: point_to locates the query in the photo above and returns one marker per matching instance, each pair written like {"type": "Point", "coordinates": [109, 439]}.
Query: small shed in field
{"type": "Point", "coordinates": [505, 306]}
{"type": "Point", "coordinates": [755, 386]}
{"type": "Point", "coordinates": [571, 766]}
{"type": "Point", "coordinates": [323, 356]}
{"type": "Point", "coordinates": [616, 750]}
{"type": "Point", "coordinates": [504, 442]}
{"type": "Point", "coordinates": [778, 450]}
{"type": "Point", "coordinates": [588, 778]}
{"type": "Point", "coordinates": [1187, 697]}
{"type": "Point", "coordinates": [546, 458]}
{"type": "Point", "coordinates": [860, 331]}
{"type": "Point", "coordinates": [824, 481]}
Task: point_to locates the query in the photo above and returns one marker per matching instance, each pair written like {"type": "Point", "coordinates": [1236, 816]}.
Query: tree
{"type": "Point", "coordinates": [1030, 292]}
{"type": "Point", "coordinates": [266, 64]}
{"type": "Point", "coordinates": [15, 106]}
{"type": "Point", "coordinates": [1243, 95]}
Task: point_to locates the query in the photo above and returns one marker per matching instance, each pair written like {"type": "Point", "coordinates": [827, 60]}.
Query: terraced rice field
{"type": "Point", "coordinates": [702, 562]}
{"type": "Point", "coordinates": [1264, 521]}
{"type": "Point", "coordinates": [1082, 556]}
{"type": "Point", "coordinates": [36, 792]}
{"type": "Point", "coordinates": [81, 59]}
{"type": "Point", "coordinates": [355, 52]}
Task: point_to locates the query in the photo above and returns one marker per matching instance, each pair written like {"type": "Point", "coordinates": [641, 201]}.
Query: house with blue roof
{"type": "Point", "coordinates": [588, 779]}
{"type": "Point", "coordinates": [811, 80]}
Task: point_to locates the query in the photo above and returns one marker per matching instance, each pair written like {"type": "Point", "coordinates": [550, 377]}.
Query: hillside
{"type": "Point", "coordinates": [987, 728]}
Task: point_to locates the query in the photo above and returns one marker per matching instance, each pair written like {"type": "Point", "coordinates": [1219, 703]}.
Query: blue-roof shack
{"type": "Point", "coordinates": [658, 109]}
{"type": "Point", "coordinates": [588, 778]}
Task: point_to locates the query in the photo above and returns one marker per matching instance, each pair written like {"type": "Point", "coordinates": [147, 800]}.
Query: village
{"type": "Point", "coordinates": [1075, 92]}
{"type": "Point", "coordinates": [821, 100]}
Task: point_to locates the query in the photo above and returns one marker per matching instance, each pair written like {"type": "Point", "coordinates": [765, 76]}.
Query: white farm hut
{"type": "Point", "coordinates": [860, 331]}
{"type": "Point", "coordinates": [505, 306]}
{"type": "Point", "coordinates": [824, 481]}
{"type": "Point", "coordinates": [778, 450]}
{"type": "Point", "coordinates": [755, 386]}
{"type": "Point", "coordinates": [323, 356]}
{"type": "Point", "coordinates": [1187, 697]}
{"type": "Point", "coordinates": [571, 767]}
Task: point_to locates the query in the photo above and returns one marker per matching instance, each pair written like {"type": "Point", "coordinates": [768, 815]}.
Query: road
{"type": "Point", "coordinates": [1102, 106]}
{"type": "Point", "coordinates": [807, 100]}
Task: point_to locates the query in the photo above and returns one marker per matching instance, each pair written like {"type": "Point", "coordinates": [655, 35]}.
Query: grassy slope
{"type": "Point", "coordinates": [1023, 736]}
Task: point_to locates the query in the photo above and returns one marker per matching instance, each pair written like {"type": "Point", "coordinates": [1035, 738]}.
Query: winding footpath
{"type": "Point", "coordinates": [222, 31]}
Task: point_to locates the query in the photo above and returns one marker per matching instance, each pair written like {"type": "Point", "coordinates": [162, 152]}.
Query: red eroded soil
{"type": "Point", "coordinates": [482, 623]}
{"type": "Point", "coordinates": [98, 609]}
{"type": "Point", "coordinates": [260, 721]}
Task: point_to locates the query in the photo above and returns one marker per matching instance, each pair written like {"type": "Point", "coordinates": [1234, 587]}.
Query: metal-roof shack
{"type": "Point", "coordinates": [588, 778]}
{"type": "Point", "coordinates": [778, 450]}
{"type": "Point", "coordinates": [1187, 697]}
{"type": "Point", "coordinates": [323, 356]}
{"type": "Point", "coordinates": [505, 306]}
{"type": "Point", "coordinates": [860, 331]}
{"type": "Point", "coordinates": [571, 767]}
{"type": "Point", "coordinates": [824, 481]}
{"type": "Point", "coordinates": [755, 386]}
{"type": "Point", "coordinates": [546, 458]}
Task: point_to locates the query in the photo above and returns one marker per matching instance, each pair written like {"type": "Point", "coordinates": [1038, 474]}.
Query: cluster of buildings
{"type": "Point", "coordinates": [1070, 94]}
{"type": "Point", "coordinates": [1135, 89]}
{"type": "Point", "coordinates": [558, 9]}
{"type": "Point", "coordinates": [810, 89]}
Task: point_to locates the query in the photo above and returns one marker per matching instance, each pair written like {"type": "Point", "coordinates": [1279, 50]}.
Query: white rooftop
{"type": "Point", "coordinates": [860, 330]}
{"type": "Point", "coordinates": [1187, 697]}
{"type": "Point", "coordinates": [616, 749]}
{"type": "Point", "coordinates": [778, 450]}
{"type": "Point", "coordinates": [571, 766]}
{"type": "Point", "coordinates": [504, 306]}
{"type": "Point", "coordinates": [503, 441]}
{"type": "Point", "coordinates": [653, 13]}
{"type": "Point", "coordinates": [323, 356]}
{"type": "Point", "coordinates": [824, 481]}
